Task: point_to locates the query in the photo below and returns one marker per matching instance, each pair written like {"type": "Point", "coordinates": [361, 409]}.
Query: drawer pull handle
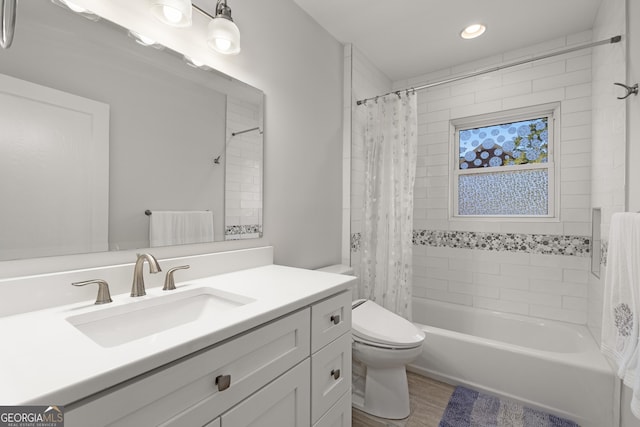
{"type": "Point", "coordinates": [223, 382]}
{"type": "Point", "coordinates": [335, 373]}
{"type": "Point", "coordinates": [335, 319]}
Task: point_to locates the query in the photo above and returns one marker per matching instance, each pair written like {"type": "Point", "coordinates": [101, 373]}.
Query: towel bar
{"type": "Point", "coordinates": [148, 212]}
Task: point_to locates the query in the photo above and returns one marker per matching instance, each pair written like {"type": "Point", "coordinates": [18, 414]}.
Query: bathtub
{"type": "Point", "coordinates": [553, 366]}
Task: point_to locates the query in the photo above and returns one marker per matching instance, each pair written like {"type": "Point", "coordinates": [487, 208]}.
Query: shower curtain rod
{"type": "Point", "coordinates": [611, 40]}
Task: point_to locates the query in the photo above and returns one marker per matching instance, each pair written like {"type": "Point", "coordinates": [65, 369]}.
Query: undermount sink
{"type": "Point", "coordinates": [113, 326]}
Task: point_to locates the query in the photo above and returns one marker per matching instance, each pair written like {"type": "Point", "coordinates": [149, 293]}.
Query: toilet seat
{"type": "Point", "coordinates": [378, 327]}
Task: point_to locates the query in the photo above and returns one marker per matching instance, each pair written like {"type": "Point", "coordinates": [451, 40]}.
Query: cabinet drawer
{"type": "Point", "coordinates": [330, 375]}
{"type": "Point", "coordinates": [160, 397]}
{"type": "Point", "coordinates": [339, 415]}
{"type": "Point", "coordinates": [330, 319]}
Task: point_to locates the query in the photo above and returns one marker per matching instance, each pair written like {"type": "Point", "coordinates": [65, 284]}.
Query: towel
{"type": "Point", "coordinates": [180, 227]}
{"type": "Point", "coordinates": [622, 301]}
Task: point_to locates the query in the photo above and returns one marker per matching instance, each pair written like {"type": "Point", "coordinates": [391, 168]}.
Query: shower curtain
{"type": "Point", "coordinates": [390, 150]}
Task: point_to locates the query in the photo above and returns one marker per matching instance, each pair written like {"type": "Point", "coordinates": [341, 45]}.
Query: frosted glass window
{"type": "Point", "coordinates": [504, 164]}
{"type": "Point", "coordinates": [508, 144]}
{"type": "Point", "coordinates": [504, 193]}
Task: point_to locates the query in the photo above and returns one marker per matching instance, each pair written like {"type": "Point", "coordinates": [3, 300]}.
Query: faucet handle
{"type": "Point", "coordinates": [104, 296]}
{"type": "Point", "coordinates": [169, 282]}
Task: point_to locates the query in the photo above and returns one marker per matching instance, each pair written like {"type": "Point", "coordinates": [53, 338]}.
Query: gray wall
{"type": "Point", "coordinates": [299, 67]}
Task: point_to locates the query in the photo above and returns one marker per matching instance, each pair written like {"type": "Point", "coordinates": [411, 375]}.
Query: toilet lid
{"type": "Point", "coordinates": [375, 324]}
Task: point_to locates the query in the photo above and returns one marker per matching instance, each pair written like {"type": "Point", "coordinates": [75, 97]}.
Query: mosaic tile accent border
{"type": "Point", "coordinates": [604, 251]}
{"type": "Point", "coordinates": [232, 230]}
{"type": "Point", "coordinates": [355, 242]}
{"type": "Point", "coordinates": [546, 244]}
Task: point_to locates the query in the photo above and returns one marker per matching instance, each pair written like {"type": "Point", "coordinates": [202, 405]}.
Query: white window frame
{"type": "Point", "coordinates": [552, 112]}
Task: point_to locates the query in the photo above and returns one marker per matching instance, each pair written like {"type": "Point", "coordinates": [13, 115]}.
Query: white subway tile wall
{"type": "Point", "coordinates": [534, 283]}
{"type": "Point", "coordinates": [243, 163]}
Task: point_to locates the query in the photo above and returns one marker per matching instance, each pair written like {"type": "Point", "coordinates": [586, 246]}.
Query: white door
{"type": "Point", "coordinates": [54, 167]}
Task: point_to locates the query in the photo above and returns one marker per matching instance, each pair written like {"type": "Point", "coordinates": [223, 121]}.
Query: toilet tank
{"type": "Point", "coordinates": [338, 269]}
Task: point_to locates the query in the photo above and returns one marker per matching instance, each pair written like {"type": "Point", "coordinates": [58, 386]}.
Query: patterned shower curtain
{"type": "Point", "coordinates": [390, 151]}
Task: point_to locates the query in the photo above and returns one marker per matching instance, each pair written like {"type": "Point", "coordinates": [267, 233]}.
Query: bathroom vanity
{"type": "Point", "coordinates": [268, 345]}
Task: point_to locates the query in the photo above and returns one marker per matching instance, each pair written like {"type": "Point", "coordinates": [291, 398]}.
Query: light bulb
{"type": "Point", "coordinates": [223, 44]}
{"type": "Point", "coordinates": [473, 28]}
{"type": "Point", "coordinates": [176, 13]}
{"type": "Point", "coordinates": [172, 15]}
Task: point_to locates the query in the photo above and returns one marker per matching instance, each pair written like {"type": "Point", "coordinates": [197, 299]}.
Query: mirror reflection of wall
{"type": "Point", "coordinates": [167, 120]}
{"type": "Point", "coordinates": [243, 187]}
{"type": "Point", "coordinates": [54, 171]}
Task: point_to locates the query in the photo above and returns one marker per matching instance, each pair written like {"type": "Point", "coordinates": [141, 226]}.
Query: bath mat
{"type": "Point", "coordinates": [469, 408]}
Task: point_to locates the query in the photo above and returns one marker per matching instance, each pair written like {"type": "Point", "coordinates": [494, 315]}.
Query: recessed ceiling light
{"type": "Point", "coordinates": [473, 31]}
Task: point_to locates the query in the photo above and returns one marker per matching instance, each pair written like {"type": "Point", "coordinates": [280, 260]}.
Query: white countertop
{"type": "Point", "coordinates": [45, 360]}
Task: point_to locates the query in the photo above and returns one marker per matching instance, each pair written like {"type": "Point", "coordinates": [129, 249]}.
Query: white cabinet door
{"type": "Point", "coordinates": [283, 403]}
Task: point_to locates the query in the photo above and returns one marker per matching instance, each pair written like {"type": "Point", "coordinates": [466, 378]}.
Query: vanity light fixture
{"type": "Point", "coordinates": [176, 13]}
{"type": "Point", "coordinates": [473, 31]}
{"type": "Point", "coordinates": [223, 35]}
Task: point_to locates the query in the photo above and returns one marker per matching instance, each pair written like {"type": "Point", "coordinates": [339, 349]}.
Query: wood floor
{"type": "Point", "coordinates": [428, 397]}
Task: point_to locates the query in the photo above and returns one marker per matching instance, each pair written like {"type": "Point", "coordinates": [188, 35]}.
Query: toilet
{"type": "Point", "coordinates": [384, 343]}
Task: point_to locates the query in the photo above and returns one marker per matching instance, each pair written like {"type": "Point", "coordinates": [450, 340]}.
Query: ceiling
{"type": "Point", "coordinates": [408, 38]}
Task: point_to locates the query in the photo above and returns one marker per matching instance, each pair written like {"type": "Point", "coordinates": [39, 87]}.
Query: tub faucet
{"type": "Point", "coordinates": [137, 288]}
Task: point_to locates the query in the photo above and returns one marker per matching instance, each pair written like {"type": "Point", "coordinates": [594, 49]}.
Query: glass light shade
{"type": "Point", "coordinates": [223, 36]}
{"type": "Point", "coordinates": [176, 13]}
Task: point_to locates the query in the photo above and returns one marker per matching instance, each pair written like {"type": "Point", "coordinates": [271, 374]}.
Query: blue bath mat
{"type": "Point", "coordinates": [469, 408]}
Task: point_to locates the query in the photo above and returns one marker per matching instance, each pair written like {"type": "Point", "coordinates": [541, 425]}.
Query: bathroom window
{"type": "Point", "coordinates": [504, 164]}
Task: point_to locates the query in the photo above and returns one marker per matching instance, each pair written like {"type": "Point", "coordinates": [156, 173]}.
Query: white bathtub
{"type": "Point", "coordinates": [553, 366]}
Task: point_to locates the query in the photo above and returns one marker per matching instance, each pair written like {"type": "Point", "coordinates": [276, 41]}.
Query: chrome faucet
{"type": "Point", "coordinates": [137, 288]}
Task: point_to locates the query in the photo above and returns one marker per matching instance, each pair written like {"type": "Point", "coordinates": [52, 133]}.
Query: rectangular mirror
{"type": "Point", "coordinates": [98, 129]}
